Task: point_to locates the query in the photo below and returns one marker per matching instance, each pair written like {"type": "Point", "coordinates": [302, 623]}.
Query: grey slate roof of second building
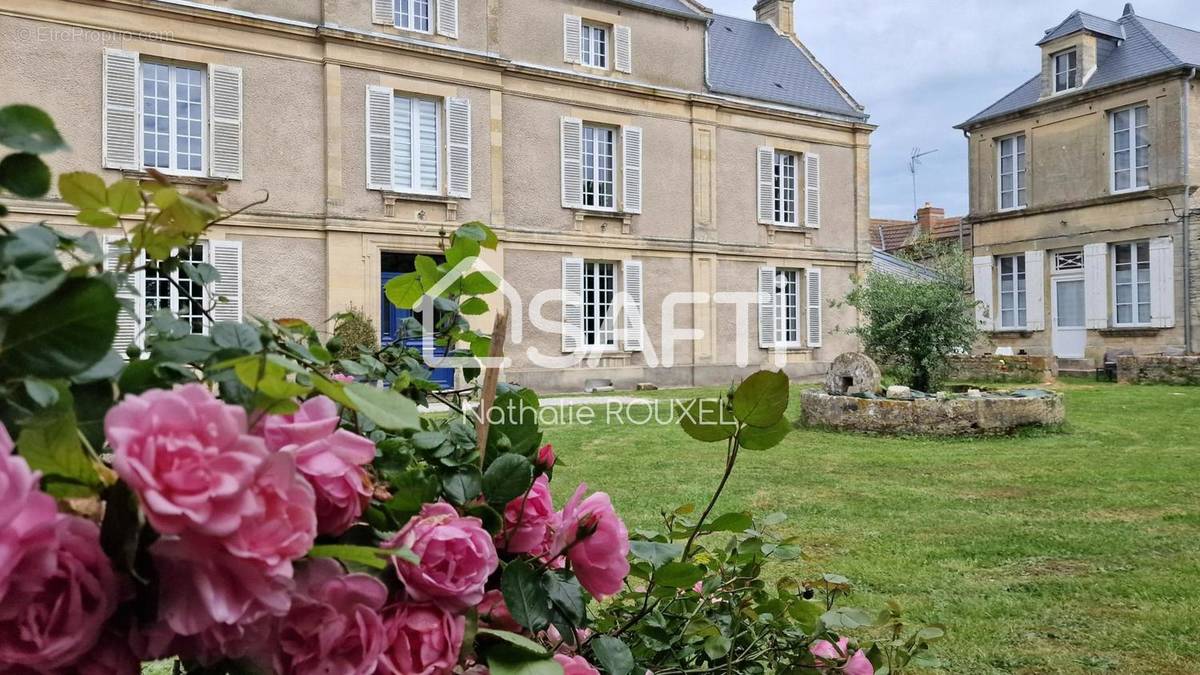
{"type": "Point", "coordinates": [1150, 47]}
{"type": "Point", "coordinates": [750, 59]}
{"type": "Point", "coordinates": [675, 7]}
{"type": "Point", "coordinates": [1079, 21]}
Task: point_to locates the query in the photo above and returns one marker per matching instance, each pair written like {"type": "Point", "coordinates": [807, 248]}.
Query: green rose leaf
{"type": "Point", "coordinates": [479, 232]}
{"type": "Point", "coordinates": [385, 407]}
{"type": "Point", "coordinates": [654, 552]}
{"type": "Point", "coordinates": [503, 663]}
{"type": "Point", "coordinates": [83, 190]}
{"type": "Point", "coordinates": [567, 596]}
{"type": "Point", "coordinates": [519, 643]}
{"type": "Point", "coordinates": [731, 522]}
{"type": "Point", "coordinates": [707, 420]}
{"type": "Point", "coordinates": [64, 334]}
{"type": "Point", "coordinates": [367, 556]}
{"type": "Point", "coordinates": [507, 478]}
{"type": "Point", "coordinates": [28, 129]}
{"type": "Point", "coordinates": [31, 268]}
{"type": "Point", "coordinates": [43, 393]}
{"type": "Point", "coordinates": [477, 283]}
{"type": "Point", "coordinates": [405, 291]}
{"type": "Point", "coordinates": [24, 175]}
{"type": "Point", "coordinates": [124, 197]}
{"type": "Point", "coordinates": [761, 399]}
{"type": "Point", "coordinates": [50, 443]}
{"type": "Point", "coordinates": [463, 486]}
{"type": "Point", "coordinates": [846, 618]}
{"type": "Point", "coordinates": [613, 654]}
{"type": "Point", "coordinates": [228, 335]}
{"type": "Point", "coordinates": [97, 218]}
{"type": "Point", "coordinates": [716, 646]}
{"type": "Point", "coordinates": [473, 306]}
{"type": "Point", "coordinates": [765, 438]}
{"type": "Point", "coordinates": [678, 575]}
{"type": "Point", "coordinates": [462, 249]}
{"type": "Point", "coordinates": [428, 269]}
{"type": "Point", "coordinates": [525, 596]}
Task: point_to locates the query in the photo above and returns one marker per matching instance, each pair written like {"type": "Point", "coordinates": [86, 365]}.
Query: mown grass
{"type": "Point", "coordinates": [1075, 551]}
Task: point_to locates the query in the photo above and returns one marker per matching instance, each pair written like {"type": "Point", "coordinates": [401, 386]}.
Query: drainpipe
{"type": "Point", "coordinates": [1187, 214]}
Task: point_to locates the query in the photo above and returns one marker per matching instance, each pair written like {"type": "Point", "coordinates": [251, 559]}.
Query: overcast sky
{"type": "Point", "coordinates": [922, 66]}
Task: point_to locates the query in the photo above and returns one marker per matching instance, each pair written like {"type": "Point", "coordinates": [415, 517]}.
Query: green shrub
{"type": "Point", "coordinates": [351, 330]}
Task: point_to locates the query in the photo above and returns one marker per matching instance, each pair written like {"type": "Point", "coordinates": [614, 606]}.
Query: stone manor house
{"type": "Point", "coordinates": [1082, 186]}
{"type": "Point", "coordinates": [636, 147]}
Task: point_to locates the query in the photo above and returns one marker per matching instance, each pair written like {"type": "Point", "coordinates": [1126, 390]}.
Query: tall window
{"type": "Point", "coordinates": [173, 117]}
{"type": "Point", "coordinates": [599, 173]}
{"type": "Point", "coordinates": [1013, 313]}
{"type": "Point", "coordinates": [1012, 172]}
{"type": "Point", "coordinates": [787, 307]}
{"type": "Point", "coordinates": [593, 46]}
{"type": "Point", "coordinates": [1131, 282]}
{"type": "Point", "coordinates": [1066, 70]}
{"type": "Point", "coordinates": [412, 15]}
{"type": "Point", "coordinates": [787, 187]}
{"type": "Point", "coordinates": [415, 144]}
{"type": "Point", "coordinates": [1131, 148]}
{"type": "Point", "coordinates": [184, 297]}
{"type": "Point", "coordinates": [598, 291]}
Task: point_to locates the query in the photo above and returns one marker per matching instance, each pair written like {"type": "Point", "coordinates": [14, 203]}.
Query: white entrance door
{"type": "Point", "coordinates": [1070, 332]}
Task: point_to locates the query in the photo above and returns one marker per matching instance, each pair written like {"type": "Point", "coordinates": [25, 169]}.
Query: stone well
{"type": "Point", "coordinates": [850, 404]}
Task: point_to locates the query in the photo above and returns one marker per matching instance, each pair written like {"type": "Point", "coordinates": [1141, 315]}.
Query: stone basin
{"type": "Point", "coordinates": [988, 413]}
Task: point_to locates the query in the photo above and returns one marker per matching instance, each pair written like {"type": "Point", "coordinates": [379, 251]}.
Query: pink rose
{"type": "Point", "coordinates": [332, 460]}
{"type": "Point", "coordinates": [421, 640]}
{"type": "Point", "coordinates": [342, 377]}
{"type": "Point", "coordinates": [59, 621]}
{"type": "Point", "coordinates": [6, 441]}
{"type": "Point", "coordinates": [493, 613]}
{"type": "Point", "coordinates": [110, 656]}
{"type": "Point", "coordinates": [595, 541]}
{"type": "Point", "coordinates": [334, 625]}
{"type": "Point", "coordinates": [284, 525]}
{"type": "Point", "coordinates": [834, 659]}
{"type": "Point", "coordinates": [530, 521]}
{"type": "Point", "coordinates": [546, 458]}
{"type": "Point", "coordinates": [27, 530]}
{"type": "Point", "coordinates": [249, 642]}
{"type": "Point", "coordinates": [457, 557]}
{"type": "Point", "coordinates": [575, 665]}
{"type": "Point", "coordinates": [188, 457]}
{"type": "Point", "coordinates": [220, 588]}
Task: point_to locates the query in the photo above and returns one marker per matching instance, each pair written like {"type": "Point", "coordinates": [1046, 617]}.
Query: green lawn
{"type": "Point", "coordinates": [1069, 552]}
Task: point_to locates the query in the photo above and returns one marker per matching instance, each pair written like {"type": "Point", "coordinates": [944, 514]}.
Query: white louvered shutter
{"type": "Point", "coordinates": [447, 18]}
{"type": "Point", "coordinates": [572, 28]}
{"type": "Point", "coordinates": [379, 138]}
{"type": "Point", "coordinates": [813, 288]}
{"type": "Point", "coordinates": [120, 133]}
{"type": "Point", "coordinates": [572, 162]}
{"type": "Point", "coordinates": [812, 190]}
{"type": "Point", "coordinates": [225, 121]}
{"type": "Point", "coordinates": [458, 147]}
{"type": "Point", "coordinates": [1162, 282]}
{"type": "Point", "coordinates": [227, 258]}
{"type": "Point", "coordinates": [1095, 285]}
{"type": "Point", "coordinates": [634, 326]}
{"type": "Point", "coordinates": [766, 307]}
{"type": "Point", "coordinates": [766, 186]}
{"type": "Point", "coordinates": [133, 307]}
{"type": "Point", "coordinates": [384, 12]}
{"type": "Point", "coordinates": [624, 48]}
{"type": "Point", "coordinates": [1035, 290]}
{"type": "Point", "coordinates": [631, 142]}
{"type": "Point", "coordinates": [983, 292]}
{"type": "Point", "coordinates": [572, 304]}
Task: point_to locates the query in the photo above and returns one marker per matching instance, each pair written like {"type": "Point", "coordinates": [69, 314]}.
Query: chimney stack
{"type": "Point", "coordinates": [928, 216]}
{"type": "Point", "coordinates": [779, 13]}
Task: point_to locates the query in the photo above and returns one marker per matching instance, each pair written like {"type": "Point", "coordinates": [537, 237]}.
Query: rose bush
{"type": "Point", "coordinates": [254, 499]}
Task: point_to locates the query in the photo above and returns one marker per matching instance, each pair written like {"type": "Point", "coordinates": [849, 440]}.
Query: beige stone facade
{"type": "Point", "coordinates": [1106, 259]}
{"type": "Point", "coordinates": [325, 237]}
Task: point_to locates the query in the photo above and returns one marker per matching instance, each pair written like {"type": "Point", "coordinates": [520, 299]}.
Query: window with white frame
{"type": "Point", "coordinates": [173, 117]}
{"type": "Point", "coordinates": [599, 166]}
{"type": "Point", "coordinates": [1131, 284]}
{"type": "Point", "coordinates": [1131, 148]}
{"type": "Point", "coordinates": [599, 290]}
{"type": "Point", "coordinates": [1013, 312]}
{"type": "Point", "coordinates": [787, 187]}
{"type": "Point", "coordinates": [176, 292]}
{"type": "Point", "coordinates": [787, 306]}
{"type": "Point", "coordinates": [416, 144]}
{"type": "Point", "coordinates": [593, 45]}
{"type": "Point", "coordinates": [1066, 70]}
{"type": "Point", "coordinates": [1012, 172]}
{"type": "Point", "coordinates": [413, 15]}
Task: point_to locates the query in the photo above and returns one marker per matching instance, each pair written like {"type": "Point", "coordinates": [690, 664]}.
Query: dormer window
{"type": "Point", "coordinates": [1066, 70]}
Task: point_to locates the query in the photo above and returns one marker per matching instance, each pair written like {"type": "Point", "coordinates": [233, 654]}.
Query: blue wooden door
{"type": "Point", "coordinates": [391, 323]}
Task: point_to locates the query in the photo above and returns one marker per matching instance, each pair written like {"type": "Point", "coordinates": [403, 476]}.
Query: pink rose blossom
{"type": "Point", "coordinates": [546, 458]}
{"type": "Point", "coordinates": [188, 457]}
{"type": "Point", "coordinates": [332, 460]}
{"type": "Point", "coordinates": [249, 642]}
{"type": "Point", "coordinates": [530, 521]}
{"type": "Point", "coordinates": [27, 530]}
{"type": "Point", "coordinates": [6, 441]}
{"type": "Point", "coordinates": [575, 665]}
{"type": "Point", "coordinates": [334, 625]}
{"type": "Point", "coordinates": [595, 541]}
{"type": "Point", "coordinates": [829, 657]}
{"type": "Point", "coordinates": [59, 621]}
{"type": "Point", "coordinates": [493, 613]}
{"type": "Point", "coordinates": [110, 656]}
{"type": "Point", "coordinates": [342, 377]}
{"type": "Point", "coordinates": [284, 525]}
{"type": "Point", "coordinates": [220, 588]}
{"type": "Point", "coordinates": [457, 557]}
{"type": "Point", "coordinates": [421, 640]}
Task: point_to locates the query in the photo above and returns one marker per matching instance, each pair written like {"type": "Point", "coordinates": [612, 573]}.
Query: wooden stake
{"type": "Point", "coordinates": [491, 379]}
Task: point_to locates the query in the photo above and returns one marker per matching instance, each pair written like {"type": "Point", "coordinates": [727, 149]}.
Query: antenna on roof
{"type": "Point", "coordinates": [914, 164]}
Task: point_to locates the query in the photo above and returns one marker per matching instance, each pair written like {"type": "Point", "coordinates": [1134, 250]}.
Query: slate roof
{"type": "Point", "coordinates": [751, 60]}
{"type": "Point", "coordinates": [1149, 48]}
{"type": "Point", "coordinates": [1082, 21]}
{"type": "Point", "coordinates": [675, 7]}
